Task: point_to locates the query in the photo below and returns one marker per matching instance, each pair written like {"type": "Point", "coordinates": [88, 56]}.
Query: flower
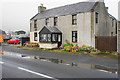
{"type": "Point", "coordinates": [71, 44]}
{"type": "Point", "coordinates": [70, 50]}
{"type": "Point", "coordinates": [77, 47]}
{"type": "Point", "coordinates": [75, 51]}
{"type": "Point", "coordinates": [96, 50]}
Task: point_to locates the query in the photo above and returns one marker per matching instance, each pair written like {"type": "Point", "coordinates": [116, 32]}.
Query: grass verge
{"type": "Point", "coordinates": [108, 55]}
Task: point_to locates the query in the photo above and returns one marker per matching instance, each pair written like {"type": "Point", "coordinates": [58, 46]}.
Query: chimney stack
{"type": "Point", "coordinates": [41, 8]}
{"type": "Point", "coordinates": [107, 8]}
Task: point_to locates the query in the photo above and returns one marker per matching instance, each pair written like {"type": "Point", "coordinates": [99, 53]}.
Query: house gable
{"type": "Point", "coordinates": [44, 31]}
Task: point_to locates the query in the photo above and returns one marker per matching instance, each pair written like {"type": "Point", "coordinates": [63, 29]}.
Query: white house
{"type": "Point", "coordinates": [78, 23]}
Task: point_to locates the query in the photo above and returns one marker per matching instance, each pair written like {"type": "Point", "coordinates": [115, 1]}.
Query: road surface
{"type": "Point", "coordinates": [15, 65]}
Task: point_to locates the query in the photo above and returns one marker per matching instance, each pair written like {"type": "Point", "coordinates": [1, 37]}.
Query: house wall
{"type": "Point", "coordinates": [101, 27]}
{"type": "Point", "coordinates": [118, 41]}
{"type": "Point", "coordinates": [32, 37]}
{"type": "Point", "coordinates": [83, 28]}
{"type": "Point", "coordinates": [111, 28]}
{"type": "Point", "coordinates": [118, 38]}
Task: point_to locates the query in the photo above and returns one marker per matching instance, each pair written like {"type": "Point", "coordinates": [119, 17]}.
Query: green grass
{"type": "Point", "coordinates": [110, 55]}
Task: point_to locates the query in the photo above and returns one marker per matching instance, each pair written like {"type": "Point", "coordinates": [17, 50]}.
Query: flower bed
{"type": "Point", "coordinates": [28, 44]}
{"type": "Point", "coordinates": [69, 47]}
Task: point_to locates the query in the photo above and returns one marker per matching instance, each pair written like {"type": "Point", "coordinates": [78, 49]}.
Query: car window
{"type": "Point", "coordinates": [13, 39]}
{"type": "Point", "coordinates": [17, 39]}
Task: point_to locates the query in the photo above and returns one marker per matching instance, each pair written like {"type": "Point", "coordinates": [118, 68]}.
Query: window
{"type": "Point", "coordinates": [35, 23]}
{"type": "Point", "coordinates": [96, 17]}
{"type": "Point", "coordinates": [54, 37]}
{"type": "Point", "coordinates": [35, 36]}
{"type": "Point", "coordinates": [55, 21]}
{"type": "Point", "coordinates": [111, 33]}
{"type": "Point", "coordinates": [59, 38]}
{"type": "Point", "coordinates": [45, 37]}
{"type": "Point", "coordinates": [49, 37]}
{"type": "Point", "coordinates": [74, 36]}
{"type": "Point", "coordinates": [47, 21]}
{"type": "Point", "coordinates": [112, 22]}
{"type": "Point", "coordinates": [17, 39]}
{"type": "Point", "coordinates": [74, 19]}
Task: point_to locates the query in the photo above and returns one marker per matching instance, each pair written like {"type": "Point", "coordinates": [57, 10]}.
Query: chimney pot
{"type": "Point", "coordinates": [41, 8]}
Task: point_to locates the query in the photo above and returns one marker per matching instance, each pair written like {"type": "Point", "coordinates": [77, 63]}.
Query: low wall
{"type": "Point", "coordinates": [48, 45]}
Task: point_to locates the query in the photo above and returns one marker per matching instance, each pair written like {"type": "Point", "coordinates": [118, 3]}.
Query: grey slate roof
{"type": "Point", "coordinates": [111, 16]}
{"type": "Point", "coordinates": [65, 10]}
{"type": "Point", "coordinates": [2, 32]}
{"type": "Point", "coordinates": [53, 29]}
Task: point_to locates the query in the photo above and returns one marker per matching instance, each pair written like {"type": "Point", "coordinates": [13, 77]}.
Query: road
{"type": "Point", "coordinates": [17, 65]}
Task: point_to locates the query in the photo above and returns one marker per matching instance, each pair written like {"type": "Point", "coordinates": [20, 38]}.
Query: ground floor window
{"type": "Point", "coordinates": [59, 38]}
{"type": "Point", "coordinates": [35, 36]}
{"type": "Point", "coordinates": [50, 35]}
{"type": "Point", "coordinates": [45, 37]}
{"type": "Point", "coordinates": [54, 37]}
{"type": "Point", "coordinates": [74, 36]}
{"type": "Point", "coordinates": [111, 33]}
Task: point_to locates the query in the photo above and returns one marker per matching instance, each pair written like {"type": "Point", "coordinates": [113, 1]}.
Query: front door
{"type": "Point", "coordinates": [59, 40]}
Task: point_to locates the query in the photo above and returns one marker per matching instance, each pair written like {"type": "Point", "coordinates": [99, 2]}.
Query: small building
{"type": "Point", "coordinates": [5, 36]}
{"type": "Point", "coordinates": [77, 23]}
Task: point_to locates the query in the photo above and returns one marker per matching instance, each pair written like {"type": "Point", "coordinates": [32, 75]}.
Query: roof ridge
{"type": "Point", "coordinates": [67, 5]}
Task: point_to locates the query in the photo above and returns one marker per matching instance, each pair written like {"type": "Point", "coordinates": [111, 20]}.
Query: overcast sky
{"type": "Point", "coordinates": [16, 14]}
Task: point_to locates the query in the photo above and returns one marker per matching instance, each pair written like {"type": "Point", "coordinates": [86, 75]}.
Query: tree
{"type": "Point", "coordinates": [20, 32]}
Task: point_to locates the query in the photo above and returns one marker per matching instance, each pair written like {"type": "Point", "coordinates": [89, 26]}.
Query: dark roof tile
{"type": "Point", "coordinates": [65, 10]}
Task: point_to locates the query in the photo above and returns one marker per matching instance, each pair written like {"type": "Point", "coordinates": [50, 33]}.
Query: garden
{"type": "Point", "coordinates": [70, 48]}
{"type": "Point", "coordinates": [87, 50]}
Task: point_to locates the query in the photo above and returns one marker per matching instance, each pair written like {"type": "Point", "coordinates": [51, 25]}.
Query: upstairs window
{"type": "Point", "coordinates": [74, 19]}
{"type": "Point", "coordinates": [35, 36]}
{"type": "Point", "coordinates": [47, 21]}
{"type": "Point", "coordinates": [55, 21]}
{"type": "Point", "coordinates": [96, 17]}
{"type": "Point", "coordinates": [74, 36]}
{"type": "Point", "coordinates": [112, 22]}
{"type": "Point", "coordinates": [35, 23]}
